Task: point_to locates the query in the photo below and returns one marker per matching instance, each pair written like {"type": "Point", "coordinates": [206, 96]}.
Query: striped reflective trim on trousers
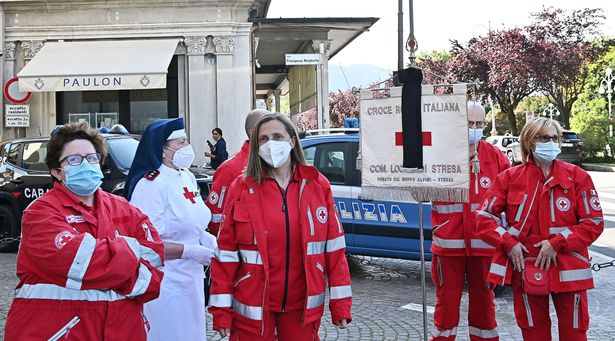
{"type": "Point", "coordinates": [575, 275]}
{"type": "Point", "coordinates": [449, 243]}
{"type": "Point", "coordinates": [221, 300]}
{"type": "Point", "coordinates": [81, 262]}
{"type": "Point", "coordinates": [446, 209]}
{"type": "Point", "coordinates": [315, 301]}
{"type": "Point", "coordinates": [142, 283]}
{"type": "Point", "coordinates": [331, 245]}
{"type": "Point", "coordinates": [225, 256]}
{"type": "Point", "coordinates": [497, 269]}
{"type": "Point", "coordinates": [216, 218]}
{"type": "Point", "coordinates": [56, 292]}
{"type": "Point", "coordinates": [596, 221]}
{"type": "Point", "coordinates": [489, 215]}
{"type": "Point", "coordinates": [250, 257]}
{"type": "Point", "coordinates": [339, 292]}
{"type": "Point", "coordinates": [248, 311]}
{"type": "Point", "coordinates": [445, 333]}
{"type": "Point", "coordinates": [480, 244]}
{"type": "Point", "coordinates": [483, 333]}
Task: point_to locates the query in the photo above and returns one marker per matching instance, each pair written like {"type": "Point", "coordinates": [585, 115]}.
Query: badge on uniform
{"type": "Point", "coordinates": [485, 182]}
{"type": "Point", "coordinates": [563, 204]}
{"type": "Point", "coordinates": [74, 219]}
{"type": "Point", "coordinates": [213, 197]}
{"type": "Point", "coordinates": [594, 202]}
{"type": "Point", "coordinates": [322, 214]}
{"type": "Point", "coordinates": [62, 238]}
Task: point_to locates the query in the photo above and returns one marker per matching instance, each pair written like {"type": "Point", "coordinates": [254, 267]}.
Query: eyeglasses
{"type": "Point", "coordinates": [547, 138]}
{"type": "Point", "coordinates": [477, 124]}
{"type": "Point", "coordinates": [76, 160]}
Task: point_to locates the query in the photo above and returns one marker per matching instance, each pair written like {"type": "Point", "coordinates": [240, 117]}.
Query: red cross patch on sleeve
{"type": "Point", "coordinates": [62, 238]}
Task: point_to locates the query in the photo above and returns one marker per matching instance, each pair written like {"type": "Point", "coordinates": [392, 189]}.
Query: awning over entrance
{"type": "Point", "coordinates": [99, 65]}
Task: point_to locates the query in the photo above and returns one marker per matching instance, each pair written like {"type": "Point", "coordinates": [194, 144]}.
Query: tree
{"type": "Point", "coordinates": [436, 67]}
{"type": "Point", "coordinates": [567, 44]}
{"type": "Point", "coordinates": [307, 120]}
{"type": "Point", "coordinates": [342, 105]}
{"type": "Point", "coordinates": [502, 61]}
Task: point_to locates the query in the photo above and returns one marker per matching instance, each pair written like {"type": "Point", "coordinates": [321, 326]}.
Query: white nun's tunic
{"type": "Point", "coordinates": [172, 202]}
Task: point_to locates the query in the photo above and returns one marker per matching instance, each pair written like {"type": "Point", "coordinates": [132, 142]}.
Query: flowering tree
{"type": "Point", "coordinates": [307, 120]}
{"type": "Point", "coordinates": [342, 105]}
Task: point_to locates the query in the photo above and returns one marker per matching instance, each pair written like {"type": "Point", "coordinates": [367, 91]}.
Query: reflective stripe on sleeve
{"type": "Point", "coordinates": [315, 301]}
{"type": "Point", "coordinates": [446, 209]}
{"type": "Point", "coordinates": [489, 215]}
{"type": "Point", "coordinates": [492, 203]}
{"type": "Point", "coordinates": [133, 244]}
{"type": "Point", "coordinates": [81, 262]}
{"type": "Point", "coordinates": [557, 229]}
{"type": "Point", "coordinates": [514, 232]}
{"type": "Point", "coordinates": [221, 300]}
{"type": "Point", "coordinates": [483, 333]}
{"type": "Point", "coordinates": [497, 269]}
{"type": "Point", "coordinates": [250, 257]}
{"type": "Point", "coordinates": [500, 230]}
{"type": "Point", "coordinates": [216, 218]}
{"type": "Point", "coordinates": [445, 333]}
{"type": "Point", "coordinates": [142, 283]}
{"type": "Point", "coordinates": [225, 256]}
{"type": "Point", "coordinates": [449, 243]}
{"type": "Point", "coordinates": [151, 256]}
{"type": "Point", "coordinates": [480, 244]}
{"type": "Point", "coordinates": [221, 200]}
{"type": "Point", "coordinates": [596, 221]}
{"type": "Point", "coordinates": [340, 292]}
{"type": "Point", "coordinates": [585, 202]}
{"type": "Point", "coordinates": [56, 292]}
{"type": "Point", "coordinates": [575, 275]}
{"type": "Point", "coordinates": [565, 232]}
{"type": "Point", "coordinates": [331, 245]}
{"type": "Point", "coordinates": [474, 207]}
{"type": "Point", "coordinates": [248, 311]}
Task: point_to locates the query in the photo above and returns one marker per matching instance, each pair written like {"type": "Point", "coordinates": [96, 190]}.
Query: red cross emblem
{"type": "Point", "coordinates": [189, 195]}
{"type": "Point", "coordinates": [595, 203]}
{"type": "Point", "coordinates": [399, 138]}
{"type": "Point", "coordinates": [563, 204]}
{"type": "Point", "coordinates": [321, 214]}
{"type": "Point", "coordinates": [62, 238]}
{"type": "Point", "coordinates": [485, 182]}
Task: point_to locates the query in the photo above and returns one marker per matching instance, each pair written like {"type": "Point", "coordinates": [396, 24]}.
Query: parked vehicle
{"type": "Point", "coordinates": [24, 176]}
{"type": "Point", "coordinates": [502, 141]}
{"type": "Point", "coordinates": [372, 227]}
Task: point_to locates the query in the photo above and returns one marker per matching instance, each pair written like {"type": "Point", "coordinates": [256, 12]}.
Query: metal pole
{"type": "Point", "coordinates": [422, 241]}
{"type": "Point", "coordinates": [400, 35]}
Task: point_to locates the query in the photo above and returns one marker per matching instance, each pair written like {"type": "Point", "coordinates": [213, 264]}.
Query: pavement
{"type": "Point", "coordinates": [387, 293]}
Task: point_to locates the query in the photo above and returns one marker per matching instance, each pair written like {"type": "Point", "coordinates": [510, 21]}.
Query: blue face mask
{"type": "Point", "coordinates": [83, 180]}
{"type": "Point", "coordinates": [546, 152]}
{"type": "Point", "coordinates": [474, 135]}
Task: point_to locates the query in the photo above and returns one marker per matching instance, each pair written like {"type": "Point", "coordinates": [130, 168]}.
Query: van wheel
{"type": "Point", "coordinates": [9, 230]}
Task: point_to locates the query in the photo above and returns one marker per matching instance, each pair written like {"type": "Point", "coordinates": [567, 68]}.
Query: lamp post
{"type": "Point", "coordinates": [606, 86]}
{"type": "Point", "coordinates": [551, 110]}
{"type": "Point", "coordinates": [492, 105]}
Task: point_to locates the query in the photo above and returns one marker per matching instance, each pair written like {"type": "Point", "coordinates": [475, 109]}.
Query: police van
{"type": "Point", "coordinates": [24, 176]}
{"type": "Point", "coordinates": [372, 227]}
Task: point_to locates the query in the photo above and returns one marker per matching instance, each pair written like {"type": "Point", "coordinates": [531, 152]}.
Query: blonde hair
{"type": "Point", "coordinates": [259, 169]}
{"type": "Point", "coordinates": [532, 129]}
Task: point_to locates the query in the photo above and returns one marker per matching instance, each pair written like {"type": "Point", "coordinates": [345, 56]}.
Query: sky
{"type": "Point", "coordinates": [435, 22]}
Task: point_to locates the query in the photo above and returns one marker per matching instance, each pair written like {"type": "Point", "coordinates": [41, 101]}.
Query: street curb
{"type": "Point", "coordinates": [597, 168]}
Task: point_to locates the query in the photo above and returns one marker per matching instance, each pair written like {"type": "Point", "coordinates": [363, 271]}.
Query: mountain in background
{"type": "Point", "coordinates": [360, 75]}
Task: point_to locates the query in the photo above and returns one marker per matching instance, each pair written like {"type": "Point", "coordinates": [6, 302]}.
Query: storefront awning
{"type": "Point", "coordinates": [99, 65]}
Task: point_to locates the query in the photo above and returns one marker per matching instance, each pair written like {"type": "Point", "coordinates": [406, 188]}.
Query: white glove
{"type": "Point", "coordinates": [208, 240]}
{"type": "Point", "coordinates": [198, 253]}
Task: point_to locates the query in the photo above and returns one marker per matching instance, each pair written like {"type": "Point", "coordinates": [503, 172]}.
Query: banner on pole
{"type": "Point", "coordinates": [445, 174]}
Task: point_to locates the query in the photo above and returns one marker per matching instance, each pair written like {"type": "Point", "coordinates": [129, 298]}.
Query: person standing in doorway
{"type": "Point", "coordinates": [458, 251]}
{"type": "Point", "coordinates": [218, 153]}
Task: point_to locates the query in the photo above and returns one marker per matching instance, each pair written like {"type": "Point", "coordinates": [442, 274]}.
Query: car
{"type": "Point", "coordinates": [572, 149]}
{"type": "Point", "coordinates": [501, 142]}
{"type": "Point", "coordinates": [372, 227]}
{"type": "Point", "coordinates": [24, 176]}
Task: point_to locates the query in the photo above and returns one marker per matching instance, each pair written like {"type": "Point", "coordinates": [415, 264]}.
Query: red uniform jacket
{"type": "Point", "coordinates": [454, 224]}
{"type": "Point", "coordinates": [564, 208]}
{"type": "Point", "coordinates": [223, 178]}
{"type": "Point", "coordinates": [240, 272]}
{"type": "Point", "coordinates": [84, 271]}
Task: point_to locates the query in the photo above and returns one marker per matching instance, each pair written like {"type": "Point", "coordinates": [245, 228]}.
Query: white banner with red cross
{"type": "Point", "coordinates": [446, 170]}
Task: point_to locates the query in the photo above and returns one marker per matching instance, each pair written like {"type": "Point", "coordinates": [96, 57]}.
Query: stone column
{"type": "Point", "coordinates": [322, 82]}
{"type": "Point", "coordinates": [9, 48]}
{"type": "Point", "coordinates": [276, 94]}
{"type": "Point", "coordinates": [227, 114]}
{"type": "Point", "coordinates": [42, 104]}
{"type": "Point", "coordinates": [198, 119]}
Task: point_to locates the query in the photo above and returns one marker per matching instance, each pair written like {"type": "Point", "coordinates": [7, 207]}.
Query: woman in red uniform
{"type": "Point", "coordinates": [552, 215]}
{"type": "Point", "coordinates": [279, 242]}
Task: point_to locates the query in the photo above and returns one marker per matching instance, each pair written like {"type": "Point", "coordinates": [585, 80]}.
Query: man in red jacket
{"type": "Point", "coordinates": [88, 260]}
{"type": "Point", "coordinates": [228, 171]}
{"type": "Point", "coordinates": [458, 252]}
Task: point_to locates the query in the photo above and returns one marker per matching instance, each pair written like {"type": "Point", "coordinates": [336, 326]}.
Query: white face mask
{"type": "Point", "coordinates": [183, 157]}
{"type": "Point", "coordinates": [275, 153]}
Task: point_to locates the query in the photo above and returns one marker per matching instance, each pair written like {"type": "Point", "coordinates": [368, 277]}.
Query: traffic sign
{"type": "Point", "coordinates": [12, 93]}
{"type": "Point", "coordinates": [17, 116]}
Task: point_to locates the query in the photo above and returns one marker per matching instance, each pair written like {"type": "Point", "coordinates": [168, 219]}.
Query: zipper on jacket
{"type": "Point", "coordinates": [575, 312]}
{"type": "Point", "coordinates": [65, 330]}
{"type": "Point", "coordinates": [311, 221]}
{"type": "Point", "coordinates": [552, 206]}
{"type": "Point", "coordinates": [579, 256]}
{"type": "Point", "coordinates": [242, 278]}
{"type": "Point", "coordinates": [287, 219]}
{"type": "Point", "coordinates": [438, 226]}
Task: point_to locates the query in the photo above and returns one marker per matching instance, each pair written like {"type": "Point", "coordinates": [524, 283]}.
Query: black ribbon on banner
{"type": "Point", "coordinates": [412, 130]}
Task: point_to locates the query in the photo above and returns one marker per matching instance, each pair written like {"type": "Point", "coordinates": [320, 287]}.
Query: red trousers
{"type": "Point", "coordinates": [448, 275]}
{"type": "Point", "coordinates": [281, 326]}
{"type": "Point", "coordinates": [532, 314]}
